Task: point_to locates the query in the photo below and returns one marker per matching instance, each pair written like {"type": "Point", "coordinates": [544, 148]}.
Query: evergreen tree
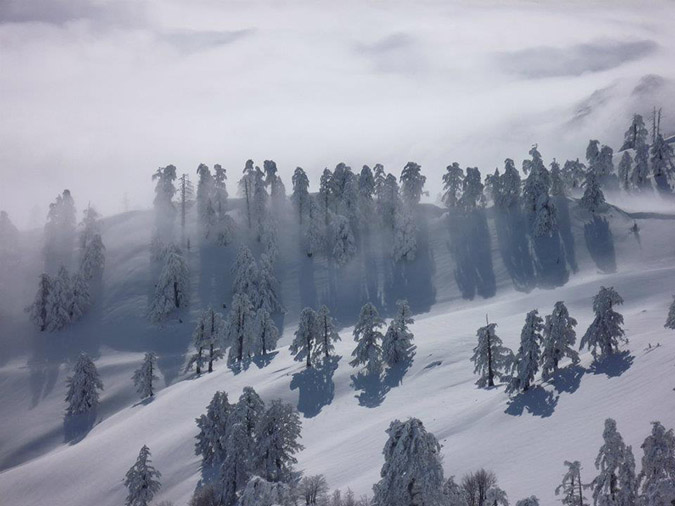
{"type": "Point", "coordinates": [83, 387]}
{"type": "Point", "coordinates": [662, 163]}
{"type": "Point", "coordinates": [205, 195]}
{"type": "Point", "coordinates": [627, 480]}
{"type": "Point", "coordinates": [453, 180]}
{"type": "Point", "coordinates": [207, 338]}
{"type": "Point", "coordinates": [397, 344]}
{"type": "Point", "coordinates": [326, 334]}
{"type": "Point", "coordinates": [610, 460]}
{"type": "Point", "coordinates": [213, 429]}
{"type": "Point", "coordinates": [303, 344]}
{"type": "Point", "coordinates": [472, 190]}
{"type": "Point", "coordinates": [300, 196]}
{"type": "Point", "coordinates": [266, 332]}
{"type": "Point", "coordinates": [641, 174]}
{"type": "Point", "coordinates": [314, 234]}
{"type": "Point", "coordinates": [625, 171]}
{"type": "Point", "coordinates": [593, 199]}
{"type": "Point", "coordinates": [245, 272]}
{"type": "Point", "coordinates": [545, 220]}
{"type": "Point", "coordinates": [573, 173]}
{"type": "Point", "coordinates": [509, 186]}
{"type": "Point", "coordinates": [412, 183]}
{"type": "Point", "coordinates": [557, 183]}
{"type": "Point", "coordinates": [412, 473]}
{"type": "Point", "coordinates": [670, 319]}
{"type": "Point", "coordinates": [657, 477]}
{"type": "Point", "coordinates": [537, 183]}
{"type": "Point", "coordinates": [235, 471]}
{"type": "Point", "coordinates": [571, 487]}
{"type": "Point", "coordinates": [260, 199]}
{"type": "Point", "coordinates": [240, 330]}
{"type": "Point", "coordinates": [404, 246]}
{"type": "Point", "coordinates": [248, 411]}
{"type": "Point", "coordinates": [277, 433]}
{"type": "Point", "coordinates": [9, 239]}
{"type": "Point", "coordinates": [491, 359]}
{"type": "Point", "coordinates": [268, 287]}
{"type": "Point", "coordinates": [387, 197]}
{"type": "Point", "coordinates": [246, 190]}
{"type": "Point", "coordinates": [38, 311]}
{"type": "Point", "coordinates": [89, 226]}
{"type": "Point", "coordinates": [559, 338]}
{"type": "Point", "coordinates": [528, 501]}
{"type": "Point", "coordinates": [165, 211]}
{"type": "Point", "coordinates": [172, 289]}
{"type": "Point", "coordinates": [493, 186]}
{"type": "Point", "coordinates": [59, 301]}
{"type": "Point", "coordinates": [142, 480]}
{"type": "Point", "coordinates": [636, 135]}
{"type": "Point", "coordinates": [260, 492]}
{"type": "Point", "coordinates": [366, 185]}
{"type": "Point", "coordinates": [526, 362]}
{"type": "Point", "coordinates": [219, 189]}
{"type": "Point", "coordinates": [344, 244]}
{"type": "Point", "coordinates": [144, 376]}
{"type": "Point", "coordinates": [276, 185]}
{"type": "Point", "coordinates": [80, 301]}
{"type": "Point", "coordinates": [605, 333]}
{"type": "Point", "coordinates": [60, 231]}
{"type": "Point", "coordinates": [93, 258]}
{"type": "Point", "coordinates": [368, 351]}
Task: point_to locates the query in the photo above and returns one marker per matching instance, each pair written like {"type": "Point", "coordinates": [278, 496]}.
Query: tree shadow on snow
{"type": "Point", "coordinates": [76, 427]}
{"type": "Point", "coordinates": [568, 379]}
{"type": "Point", "coordinates": [394, 375]}
{"type": "Point", "coordinates": [514, 248]}
{"type": "Point", "coordinates": [614, 365]}
{"type": "Point", "coordinates": [264, 360]}
{"type": "Point", "coordinates": [372, 386]}
{"type": "Point", "coordinates": [315, 386]}
{"type": "Point", "coordinates": [537, 401]}
{"type": "Point", "coordinates": [600, 244]}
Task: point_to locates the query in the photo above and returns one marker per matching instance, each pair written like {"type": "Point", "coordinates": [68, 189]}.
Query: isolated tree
{"type": "Point", "coordinates": [213, 428]}
{"type": "Point", "coordinates": [172, 288]}
{"type": "Point", "coordinates": [412, 183]}
{"type": "Point", "coordinates": [83, 387]}
{"type": "Point", "coordinates": [344, 244]}
{"type": "Point", "coordinates": [92, 262]}
{"type": "Point", "coordinates": [144, 376]}
{"type": "Point", "coordinates": [526, 363]}
{"type": "Point", "coordinates": [571, 488]}
{"type": "Point", "coordinates": [559, 338]}
{"type": "Point", "coordinates": [59, 301]}
{"type": "Point", "coordinates": [38, 311]}
{"type": "Point", "coordinates": [300, 196]}
{"type": "Point", "coordinates": [142, 480]}
{"type": "Point", "coordinates": [625, 171]}
{"type": "Point", "coordinates": [412, 472]}
{"type": "Point", "coordinates": [313, 490]}
{"type": "Point", "coordinates": [240, 329]}
{"type": "Point", "coordinates": [326, 333]}
{"type": "Point", "coordinates": [593, 199]}
{"type": "Point", "coordinates": [491, 359]}
{"type": "Point", "coordinates": [260, 492]}
{"type": "Point", "coordinates": [452, 185]}
{"type": "Point", "coordinates": [303, 344]}
{"type": "Point", "coordinates": [404, 246]}
{"type": "Point", "coordinates": [657, 478]}
{"type": "Point", "coordinates": [605, 333]}
{"type": "Point", "coordinates": [397, 343]}
{"type": "Point", "coordinates": [368, 351]}
{"type": "Point", "coordinates": [609, 462]}
{"type": "Point", "coordinates": [277, 434]}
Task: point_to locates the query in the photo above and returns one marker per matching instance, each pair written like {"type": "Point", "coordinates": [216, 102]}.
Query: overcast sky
{"type": "Point", "coordinates": [95, 95]}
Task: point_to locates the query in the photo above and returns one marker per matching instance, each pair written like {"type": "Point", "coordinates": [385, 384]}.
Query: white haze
{"type": "Point", "coordinates": [94, 96]}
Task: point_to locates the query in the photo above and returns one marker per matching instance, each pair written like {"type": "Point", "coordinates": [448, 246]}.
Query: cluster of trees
{"type": "Point", "coordinates": [314, 340]}
{"type": "Point", "coordinates": [64, 298]}
{"type": "Point", "coordinates": [212, 205]}
{"type": "Point", "coordinates": [544, 343]}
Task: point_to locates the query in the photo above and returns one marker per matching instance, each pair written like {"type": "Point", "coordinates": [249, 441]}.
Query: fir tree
{"type": "Point", "coordinates": [538, 181]}
{"type": "Point", "coordinates": [662, 163]}
{"type": "Point", "coordinates": [557, 183]}
{"type": "Point", "coordinates": [38, 311]}
{"type": "Point", "coordinates": [89, 225]}
{"type": "Point", "coordinates": [545, 220]}
{"type": "Point", "coordinates": [240, 329]}
{"type": "Point", "coordinates": [452, 185]}
{"type": "Point", "coordinates": [60, 231]}
{"type": "Point", "coordinates": [625, 171]}
{"type": "Point", "coordinates": [266, 332]}
{"type": "Point", "coordinates": [397, 344]}
{"type": "Point", "coordinates": [314, 235]}
{"type": "Point", "coordinates": [368, 351]}
{"type": "Point", "coordinates": [404, 246]}
{"type": "Point", "coordinates": [235, 471]}
{"type": "Point", "coordinates": [491, 359]}
{"type": "Point", "coordinates": [344, 244]}
{"type": "Point", "coordinates": [558, 339]}
{"type": "Point", "coordinates": [142, 480]}
{"type": "Point", "coordinates": [213, 428]}
{"type": "Point", "coordinates": [165, 211]}
{"type": "Point", "coordinates": [268, 287]}
{"type": "Point", "coordinates": [83, 386]}
{"type": "Point", "coordinates": [80, 300]}
{"type": "Point", "coordinates": [573, 173]}
{"type": "Point", "coordinates": [593, 199]}
{"type": "Point", "coordinates": [246, 190]}
{"type": "Point", "coordinates": [610, 460]}
{"type": "Point", "coordinates": [93, 258]}
{"type": "Point", "coordinates": [205, 191]}
{"type": "Point", "coordinates": [657, 477]}
{"type": "Point", "coordinates": [144, 376]}
{"type": "Point", "coordinates": [326, 334]}
{"type": "Point", "coordinates": [303, 344]}
{"type": "Point", "coordinates": [172, 289]}
{"type": "Point", "coordinates": [207, 338]}
{"type": "Point", "coordinates": [526, 362]}
{"type": "Point", "coordinates": [640, 177]}
{"type": "Point", "coordinates": [605, 333]}
{"type": "Point", "coordinates": [627, 480]}
{"type": "Point", "coordinates": [509, 186]}
{"type": "Point", "coordinates": [472, 190]}
{"type": "Point", "coordinates": [59, 301]}
{"type": "Point", "coordinates": [412, 472]}
{"type": "Point", "coordinates": [245, 271]}
{"type": "Point", "coordinates": [412, 183]}
{"type": "Point", "coordinates": [300, 196]}
{"type": "Point", "coordinates": [636, 135]}
{"type": "Point", "coordinates": [571, 487]}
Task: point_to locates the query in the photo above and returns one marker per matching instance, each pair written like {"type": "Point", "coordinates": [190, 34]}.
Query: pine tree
{"type": "Point", "coordinates": [641, 174]}
{"type": "Point", "coordinates": [368, 351]}
{"type": "Point", "coordinates": [557, 183]}
{"type": "Point", "coordinates": [412, 473]}
{"type": "Point", "coordinates": [213, 428]}
{"type": "Point", "coordinates": [266, 332]}
{"type": "Point", "coordinates": [636, 135]}
{"type": "Point", "coordinates": [412, 183]}
{"type": "Point", "coordinates": [142, 480]}
{"type": "Point", "coordinates": [404, 246]}
{"type": "Point", "coordinates": [397, 344]}
{"type": "Point", "coordinates": [528, 501]}
{"type": "Point", "coordinates": [452, 185]}
{"type": "Point", "coordinates": [314, 234]}
{"type": "Point", "coordinates": [235, 471]}
{"type": "Point", "coordinates": [240, 329]}
{"type": "Point", "coordinates": [571, 487]}
{"type": "Point", "coordinates": [60, 230]}
{"type": "Point", "coordinates": [89, 225]}
{"type": "Point", "coordinates": [59, 301]}
{"type": "Point", "coordinates": [573, 173]}
{"type": "Point", "coordinates": [593, 199]}
{"type": "Point", "coordinates": [276, 434]}
{"type": "Point", "coordinates": [248, 411]}
{"type": "Point", "coordinates": [172, 289]}
{"type": "Point", "coordinates": [245, 271]}
{"type": "Point", "coordinates": [38, 311]}
{"type": "Point", "coordinates": [526, 362]}
{"type": "Point", "coordinates": [246, 190]}
{"type": "Point", "coordinates": [326, 334]}
{"type": "Point", "coordinates": [605, 333]}
{"type": "Point", "coordinates": [144, 376]}
{"type": "Point", "coordinates": [558, 339]}
{"type": "Point", "coordinates": [509, 186]}
{"type": "Point", "coordinates": [300, 196]}
{"type": "Point", "coordinates": [268, 287]}
{"type": "Point", "coordinates": [662, 163]}
{"type": "Point", "coordinates": [657, 477]}
{"type": "Point", "coordinates": [491, 359]}
{"type": "Point", "coordinates": [472, 190]}
{"type": "Point", "coordinates": [625, 171]}
{"type": "Point", "coordinates": [609, 462]}
{"type": "Point", "coordinates": [260, 492]}
{"type": "Point", "coordinates": [260, 200]}
{"type": "Point", "coordinates": [545, 220]}
{"type": "Point", "coordinates": [83, 386]}
{"type": "Point", "coordinates": [207, 338]}
{"type": "Point", "coordinates": [344, 244]}
{"type": "Point", "coordinates": [538, 182]}
{"type": "Point", "coordinates": [93, 258]}
{"type": "Point", "coordinates": [303, 344]}
{"type": "Point", "coordinates": [628, 483]}
{"type": "Point", "coordinates": [80, 300]}
{"type": "Point", "coordinates": [165, 210]}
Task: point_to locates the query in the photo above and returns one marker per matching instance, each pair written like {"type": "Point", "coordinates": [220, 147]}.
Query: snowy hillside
{"type": "Point", "coordinates": [524, 439]}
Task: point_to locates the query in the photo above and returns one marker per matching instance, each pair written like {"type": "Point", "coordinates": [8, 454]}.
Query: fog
{"type": "Point", "coordinates": [94, 96]}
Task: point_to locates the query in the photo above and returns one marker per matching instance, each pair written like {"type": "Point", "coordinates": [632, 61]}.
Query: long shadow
{"type": "Point", "coordinates": [315, 387]}
{"type": "Point", "coordinates": [613, 365]}
{"type": "Point", "coordinates": [600, 244]}
{"type": "Point", "coordinates": [550, 263]}
{"type": "Point", "coordinates": [537, 401]}
{"type": "Point", "coordinates": [568, 379]}
{"type": "Point", "coordinates": [514, 247]}
{"type": "Point", "coordinates": [76, 427]}
{"type": "Point", "coordinates": [264, 360]}
{"type": "Point", "coordinates": [307, 284]}
{"type": "Point", "coordinates": [394, 375]}
{"type": "Point", "coordinates": [372, 387]}
{"type": "Point", "coordinates": [565, 229]}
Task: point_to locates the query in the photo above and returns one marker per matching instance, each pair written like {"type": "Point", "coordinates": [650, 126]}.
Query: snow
{"type": "Point", "coordinates": [524, 441]}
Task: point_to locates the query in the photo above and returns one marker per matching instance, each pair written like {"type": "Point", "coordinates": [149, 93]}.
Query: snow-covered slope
{"type": "Point", "coordinates": [524, 440]}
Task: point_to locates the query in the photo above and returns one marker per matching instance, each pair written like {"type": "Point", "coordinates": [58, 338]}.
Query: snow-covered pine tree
{"type": "Point", "coordinates": [213, 428]}
{"type": "Point", "coordinates": [397, 344]}
{"type": "Point", "coordinates": [493, 186]}
{"type": "Point", "coordinates": [260, 492]}
{"type": "Point", "coordinates": [303, 345]}
{"type": "Point", "coordinates": [142, 480]}
{"type": "Point", "coordinates": [60, 231]}
{"type": "Point", "coordinates": [219, 190]}
{"type": "Point", "coordinates": [605, 333]}
{"type": "Point", "coordinates": [344, 244]}
{"type": "Point", "coordinates": [412, 183]}
{"type": "Point", "coordinates": [276, 434]}
{"type": "Point", "coordinates": [472, 190]}
{"type": "Point", "coordinates": [559, 338]}
{"type": "Point", "coordinates": [661, 160]}
{"type": "Point", "coordinates": [59, 301]}
{"type": "Point", "coordinates": [573, 173]}
{"type": "Point", "coordinates": [144, 376]}
{"type": "Point", "coordinates": [537, 183]}
{"type": "Point", "coordinates": [490, 357]}
{"type": "Point", "coordinates": [207, 338]}
{"type": "Point", "coordinates": [509, 186]}
{"type": "Point", "coordinates": [404, 246]}
{"type": "Point", "coordinates": [172, 288]}
{"type": "Point", "coordinates": [495, 496]}
{"type": "Point", "coordinates": [266, 333]}
{"type": "Point", "coordinates": [657, 477]}
{"type": "Point", "coordinates": [89, 226]}
{"type": "Point", "coordinates": [366, 184]}
{"type": "Point", "coordinates": [165, 210]}
{"type": "Point", "coordinates": [245, 272]}
{"type": "Point", "coordinates": [38, 311]}
{"type": "Point", "coordinates": [412, 473]}
{"type": "Point", "coordinates": [93, 258]}
{"type": "Point", "coordinates": [557, 183]}
{"type": "Point", "coordinates": [387, 196]}
{"type": "Point", "coordinates": [240, 329]}
{"type": "Point", "coordinates": [260, 200]}
{"type": "Point", "coordinates": [636, 135]}
{"type": "Point", "coordinates": [246, 190]}
{"type": "Point", "coordinates": [300, 196]}
{"type": "Point", "coordinates": [641, 173]}
{"type": "Point", "coordinates": [205, 191]}
{"type": "Point", "coordinates": [248, 411]}
{"type": "Point", "coordinates": [80, 301]}
{"type": "Point", "coordinates": [268, 287]}
{"type": "Point", "coordinates": [452, 185]}
{"type": "Point", "coordinates": [528, 501]}
{"type": "Point", "coordinates": [526, 363]}
{"type": "Point", "coordinates": [83, 387]}
{"type": "Point", "coordinates": [545, 219]}
{"type": "Point", "coordinates": [314, 233]}
{"type": "Point", "coordinates": [611, 458]}
{"type": "Point", "coordinates": [625, 171]}
{"type": "Point", "coordinates": [627, 480]}
{"type": "Point", "coordinates": [326, 333]}
{"type": "Point", "coordinates": [368, 351]}
{"type": "Point", "coordinates": [571, 487]}
{"type": "Point", "coordinates": [593, 199]}
{"type": "Point", "coordinates": [235, 471]}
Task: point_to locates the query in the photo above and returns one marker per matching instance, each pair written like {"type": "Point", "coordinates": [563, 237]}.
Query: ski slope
{"type": "Point", "coordinates": [524, 440]}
